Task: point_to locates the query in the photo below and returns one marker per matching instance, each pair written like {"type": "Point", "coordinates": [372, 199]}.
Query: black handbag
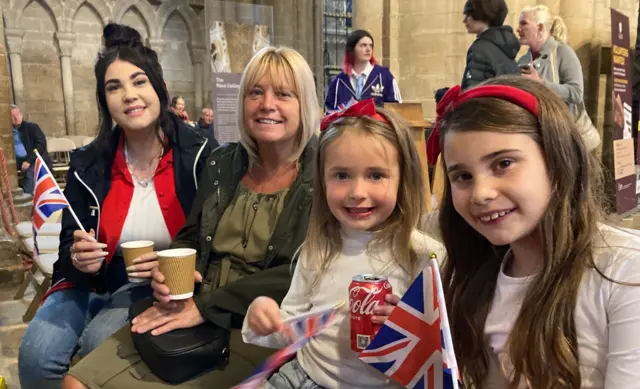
{"type": "Point", "coordinates": [180, 355]}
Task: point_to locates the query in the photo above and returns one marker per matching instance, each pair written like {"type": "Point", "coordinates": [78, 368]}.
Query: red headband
{"type": "Point", "coordinates": [361, 108]}
{"type": "Point", "coordinates": [453, 98]}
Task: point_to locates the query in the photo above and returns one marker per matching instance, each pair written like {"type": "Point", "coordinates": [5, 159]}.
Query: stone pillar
{"type": "Point", "coordinates": [369, 15]}
{"type": "Point", "coordinates": [6, 131]}
{"type": "Point", "coordinates": [14, 42]}
{"type": "Point", "coordinates": [157, 45]}
{"type": "Point", "coordinates": [197, 56]}
{"type": "Point", "coordinates": [66, 40]}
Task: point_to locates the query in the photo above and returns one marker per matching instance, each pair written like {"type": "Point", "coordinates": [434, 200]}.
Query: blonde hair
{"type": "Point", "coordinates": [553, 24]}
{"type": "Point", "coordinates": [323, 233]}
{"type": "Point", "coordinates": [286, 67]}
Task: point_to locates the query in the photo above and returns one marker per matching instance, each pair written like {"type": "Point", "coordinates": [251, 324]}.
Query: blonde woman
{"type": "Point", "coordinates": [552, 62]}
{"type": "Point", "coordinates": [249, 217]}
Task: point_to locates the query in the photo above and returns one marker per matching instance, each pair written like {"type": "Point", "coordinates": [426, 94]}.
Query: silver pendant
{"type": "Point", "coordinates": [143, 184]}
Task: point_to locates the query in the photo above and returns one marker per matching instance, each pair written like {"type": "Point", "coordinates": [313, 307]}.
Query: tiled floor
{"type": "Point", "coordinates": [11, 330]}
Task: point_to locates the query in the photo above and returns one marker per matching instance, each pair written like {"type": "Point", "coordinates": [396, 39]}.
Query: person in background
{"type": "Point", "coordinates": [249, 218]}
{"type": "Point", "coordinates": [178, 107]}
{"type": "Point", "coordinates": [494, 51]}
{"type": "Point", "coordinates": [551, 61]}
{"type": "Point", "coordinates": [136, 181]}
{"type": "Point", "coordinates": [361, 77]}
{"type": "Point", "coordinates": [27, 137]}
{"type": "Point", "coordinates": [204, 126]}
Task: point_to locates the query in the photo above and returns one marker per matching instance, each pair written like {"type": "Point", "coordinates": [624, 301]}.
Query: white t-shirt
{"type": "Point", "coordinates": [328, 358]}
{"type": "Point", "coordinates": [607, 317]}
{"type": "Point", "coordinates": [144, 219]}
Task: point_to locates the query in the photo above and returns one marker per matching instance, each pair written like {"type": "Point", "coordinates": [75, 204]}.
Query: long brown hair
{"type": "Point", "coordinates": [542, 345]}
{"type": "Point", "coordinates": [323, 233]}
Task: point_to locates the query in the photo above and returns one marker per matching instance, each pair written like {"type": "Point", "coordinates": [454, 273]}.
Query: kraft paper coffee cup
{"type": "Point", "coordinates": [178, 267]}
{"type": "Point", "coordinates": [134, 249]}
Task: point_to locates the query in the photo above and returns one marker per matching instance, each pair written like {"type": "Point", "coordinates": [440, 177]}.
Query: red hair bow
{"type": "Point", "coordinates": [361, 108]}
{"type": "Point", "coordinates": [453, 98]}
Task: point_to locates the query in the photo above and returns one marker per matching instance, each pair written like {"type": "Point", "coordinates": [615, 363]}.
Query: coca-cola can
{"type": "Point", "coordinates": [366, 292]}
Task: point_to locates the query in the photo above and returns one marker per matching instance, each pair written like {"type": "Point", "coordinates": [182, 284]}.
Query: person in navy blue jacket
{"type": "Point", "coordinates": [361, 77]}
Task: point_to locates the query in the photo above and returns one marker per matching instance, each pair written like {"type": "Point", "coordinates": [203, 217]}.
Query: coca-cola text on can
{"type": "Point", "coordinates": [366, 292]}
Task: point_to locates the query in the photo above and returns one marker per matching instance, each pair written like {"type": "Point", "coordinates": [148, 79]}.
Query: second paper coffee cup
{"type": "Point", "coordinates": [178, 267]}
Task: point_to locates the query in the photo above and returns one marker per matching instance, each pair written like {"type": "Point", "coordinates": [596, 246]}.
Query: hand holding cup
{"type": "Point", "coordinates": [139, 259]}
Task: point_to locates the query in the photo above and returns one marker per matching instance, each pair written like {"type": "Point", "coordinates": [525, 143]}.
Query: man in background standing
{"type": "Point", "coordinates": [204, 127]}
{"type": "Point", "coordinates": [27, 136]}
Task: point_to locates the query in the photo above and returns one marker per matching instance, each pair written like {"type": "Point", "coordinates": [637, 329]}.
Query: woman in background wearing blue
{"type": "Point", "coordinates": [361, 77]}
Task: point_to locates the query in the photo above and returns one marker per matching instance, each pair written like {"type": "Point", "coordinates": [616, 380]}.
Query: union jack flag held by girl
{"type": "Point", "coordinates": [414, 346]}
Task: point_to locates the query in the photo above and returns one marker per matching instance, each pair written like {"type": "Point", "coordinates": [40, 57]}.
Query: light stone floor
{"type": "Point", "coordinates": [11, 330]}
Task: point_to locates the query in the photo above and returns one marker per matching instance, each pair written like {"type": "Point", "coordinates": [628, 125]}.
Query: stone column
{"type": "Point", "coordinates": [66, 40]}
{"type": "Point", "coordinates": [369, 15]}
{"type": "Point", "coordinates": [6, 132]}
{"type": "Point", "coordinates": [157, 45]}
{"type": "Point", "coordinates": [14, 43]}
{"type": "Point", "coordinates": [197, 56]}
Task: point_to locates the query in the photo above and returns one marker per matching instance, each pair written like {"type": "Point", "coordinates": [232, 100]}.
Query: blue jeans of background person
{"type": "Point", "coordinates": [27, 183]}
{"type": "Point", "coordinates": [291, 376]}
{"type": "Point", "coordinates": [71, 321]}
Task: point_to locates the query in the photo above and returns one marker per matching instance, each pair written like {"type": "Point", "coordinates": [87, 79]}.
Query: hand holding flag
{"type": "Point", "coordinates": [414, 346]}
{"type": "Point", "coordinates": [298, 330]}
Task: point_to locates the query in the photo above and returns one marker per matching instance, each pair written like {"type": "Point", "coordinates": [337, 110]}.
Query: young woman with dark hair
{"type": "Point", "coordinates": [361, 77]}
{"type": "Point", "coordinates": [136, 181]}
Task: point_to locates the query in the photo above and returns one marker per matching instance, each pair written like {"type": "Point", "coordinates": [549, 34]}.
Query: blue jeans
{"type": "Point", "coordinates": [71, 321]}
{"type": "Point", "coordinates": [291, 376]}
{"type": "Point", "coordinates": [27, 183]}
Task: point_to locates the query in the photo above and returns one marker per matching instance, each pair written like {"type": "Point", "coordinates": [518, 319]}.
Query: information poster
{"type": "Point", "coordinates": [623, 149]}
{"type": "Point", "coordinates": [224, 95]}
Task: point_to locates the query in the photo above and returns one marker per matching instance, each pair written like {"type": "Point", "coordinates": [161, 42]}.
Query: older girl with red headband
{"type": "Point", "coordinates": [541, 293]}
{"type": "Point", "coordinates": [367, 199]}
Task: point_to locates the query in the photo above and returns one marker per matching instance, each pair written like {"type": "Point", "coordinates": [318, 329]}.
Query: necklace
{"type": "Point", "coordinates": [142, 182]}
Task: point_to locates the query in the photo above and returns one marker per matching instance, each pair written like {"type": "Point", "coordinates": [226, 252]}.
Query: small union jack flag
{"type": "Point", "coordinates": [414, 345]}
{"type": "Point", "coordinates": [47, 197]}
{"type": "Point", "coordinates": [298, 331]}
{"type": "Point", "coordinates": [341, 107]}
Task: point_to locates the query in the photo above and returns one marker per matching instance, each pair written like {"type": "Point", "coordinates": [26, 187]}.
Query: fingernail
{"type": "Point", "coordinates": [134, 274]}
{"type": "Point", "coordinates": [102, 245]}
{"type": "Point", "coordinates": [130, 268]}
{"type": "Point", "coordinates": [154, 332]}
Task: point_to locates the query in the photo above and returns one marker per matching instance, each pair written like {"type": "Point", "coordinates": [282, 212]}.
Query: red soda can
{"type": "Point", "coordinates": [366, 292]}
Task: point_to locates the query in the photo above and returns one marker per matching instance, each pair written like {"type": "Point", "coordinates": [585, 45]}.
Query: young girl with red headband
{"type": "Point", "coordinates": [367, 200]}
{"type": "Point", "coordinates": [541, 293]}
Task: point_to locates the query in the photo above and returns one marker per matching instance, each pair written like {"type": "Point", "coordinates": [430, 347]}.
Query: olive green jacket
{"type": "Point", "coordinates": [226, 305]}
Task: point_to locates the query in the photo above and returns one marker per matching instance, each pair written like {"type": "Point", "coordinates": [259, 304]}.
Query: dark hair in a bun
{"type": "Point", "coordinates": [126, 44]}
{"type": "Point", "coordinates": [120, 34]}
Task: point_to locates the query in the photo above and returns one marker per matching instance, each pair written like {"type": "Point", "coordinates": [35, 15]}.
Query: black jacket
{"type": "Point", "coordinates": [32, 138]}
{"type": "Point", "coordinates": [227, 305]}
{"type": "Point", "coordinates": [89, 181]}
{"type": "Point", "coordinates": [207, 132]}
{"type": "Point", "coordinates": [492, 54]}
